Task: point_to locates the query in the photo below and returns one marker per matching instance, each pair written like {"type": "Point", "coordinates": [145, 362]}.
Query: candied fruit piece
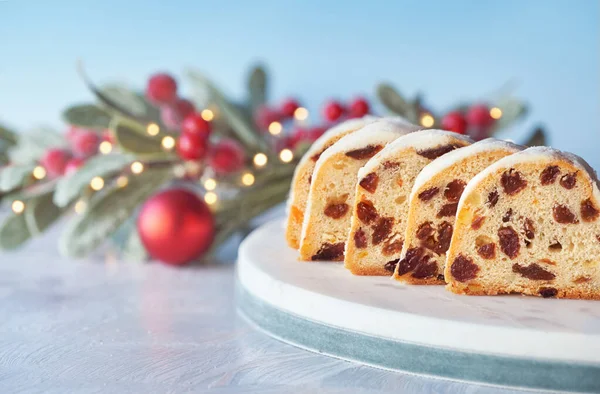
{"type": "Point", "coordinates": [463, 269]}
{"type": "Point", "coordinates": [369, 182]}
{"type": "Point", "coordinates": [512, 182]}
{"type": "Point", "coordinates": [428, 194]}
{"type": "Point", "coordinates": [533, 271]}
{"type": "Point", "coordinates": [509, 241]}
{"type": "Point", "coordinates": [336, 211]}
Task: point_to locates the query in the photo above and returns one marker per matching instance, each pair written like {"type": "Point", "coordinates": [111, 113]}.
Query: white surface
{"type": "Point", "coordinates": [106, 326]}
{"type": "Point", "coordinates": [551, 329]}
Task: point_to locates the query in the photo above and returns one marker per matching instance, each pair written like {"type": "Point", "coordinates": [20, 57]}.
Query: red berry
{"type": "Point", "coordinates": [73, 165]}
{"type": "Point", "coordinates": [161, 89]}
{"type": "Point", "coordinates": [333, 110]}
{"type": "Point", "coordinates": [191, 146]}
{"type": "Point", "coordinates": [359, 107]}
{"type": "Point", "coordinates": [85, 143]}
{"type": "Point", "coordinates": [194, 125]}
{"type": "Point", "coordinates": [55, 161]}
{"type": "Point", "coordinates": [478, 116]}
{"type": "Point", "coordinates": [288, 107]}
{"type": "Point", "coordinates": [455, 121]}
{"type": "Point", "coordinates": [298, 136]}
{"type": "Point", "coordinates": [264, 116]}
{"type": "Point", "coordinates": [316, 132]}
{"type": "Point", "coordinates": [227, 156]}
{"type": "Point", "coordinates": [172, 115]}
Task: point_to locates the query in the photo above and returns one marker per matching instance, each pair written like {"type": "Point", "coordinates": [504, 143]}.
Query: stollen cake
{"type": "Point", "coordinates": [528, 224]}
{"type": "Point", "coordinates": [303, 173]}
{"type": "Point", "coordinates": [432, 208]}
{"type": "Point", "coordinates": [331, 193]}
{"type": "Point", "coordinates": [381, 199]}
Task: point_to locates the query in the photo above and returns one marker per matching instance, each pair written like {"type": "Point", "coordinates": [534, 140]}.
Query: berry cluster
{"type": "Point", "coordinates": [476, 121]}
{"type": "Point", "coordinates": [193, 144]}
{"type": "Point", "coordinates": [334, 111]}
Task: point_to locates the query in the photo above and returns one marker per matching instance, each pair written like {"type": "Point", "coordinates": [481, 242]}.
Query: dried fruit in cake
{"type": "Point", "coordinates": [426, 227]}
{"type": "Point", "coordinates": [334, 181]}
{"type": "Point", "coordinates": [539, 238]}
{"type": "Point", "coordinates": [395, 169]}
{"type": "Point", "coordinates": [303, 173]}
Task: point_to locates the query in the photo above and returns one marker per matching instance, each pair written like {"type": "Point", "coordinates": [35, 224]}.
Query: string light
{"type": "Point", "coordinates": [152, 129]}
{"type": "Point", "coordinates": [301, 113]}
{"type": "Point", "coordinates": [496, 113]}
{"type": "Point", "coordinates": [207, 115]}
{"type": "Point", "coordinates": [122, 181]}
{"type": "Point", "coordinates": [275, 128]}
{"type": "Point", "coordinates": [427, 120]}
{"type": "Point", "coordinates": [210, 184]}
{"type": "Point", "coordinates": [97, 183]}
{"type": "Point", "coordinates": [210, 198]}
{"type": "Point", "coordinates": [260, 159]}
{"type": "Point", "coordinates": [137, 167]}
{"type": "Point", "coordinates": [18, 206]}
{"type": "Point", "coordinates": [286, 155]}
{"type": "Point", "coordinates": [105, 147]}
{"type": "Point", "coordinates": [248, 179]}
{"type": "Point", "coordinates": [179, 171]}
{"type": "Point", "coordinates": [168, 142]}
{"type": "Point", "coordinates": [39, 172]}
{"type": "Point", "coordinates": [79, 207]}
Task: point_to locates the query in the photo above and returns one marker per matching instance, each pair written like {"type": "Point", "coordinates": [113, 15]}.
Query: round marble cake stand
{"type": "Point", "coordinates": [505, 340]}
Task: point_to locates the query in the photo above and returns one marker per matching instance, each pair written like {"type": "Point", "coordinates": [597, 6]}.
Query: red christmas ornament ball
{"type": "Point", "coordinates": [55, 161]}
{"type": "Point", "coordinates": [227, 156]}
{"type": "Point", "coordinates": [359, 107]}
{"type": "Point", "coordinates": [191, 146]}
{"type": "Point", "coordinates": [161, 89]}
{"type": "Point", "coordinates": [176, 226]}
{"type": "Point", "coordinates": [454, 121]}
{"type": "Point", "coordinates": [172, 115]}
{"type": "Point", "coordinates": [85, 143]}
{"type": "Point", "coordinates": [288, 107]}
{"type": "Point", "coordinates": [333, 110]}
{"type": "Point", "coordinates": [73, 165]}
{"type": "Point", "coordinates": [194, 124]}
{"type": "Point", "coordinates": [478, 116]}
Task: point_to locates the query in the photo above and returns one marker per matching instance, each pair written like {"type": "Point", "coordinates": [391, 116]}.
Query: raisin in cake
{"type": "Point", "coordinates": [303, 173]}
{"type": "Point", "coordinates": [528, 224]}
{"type": "Point", "coordinates": [381, 199]}
{"type": "Point", "coordinates": [432, 208]}
{"type": "Point", "coordinates": [331, 194]}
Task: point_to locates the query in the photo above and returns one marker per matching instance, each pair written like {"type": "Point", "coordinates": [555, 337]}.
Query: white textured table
{"type": "Point", "coordinates": [108, 326]}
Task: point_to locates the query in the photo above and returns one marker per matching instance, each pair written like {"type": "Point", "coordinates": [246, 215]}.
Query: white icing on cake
{"type": "Point", "coordinates": [541, 154]}
{"type": "Point", "coordinates": [449, 159]}
{"type": "Point", "coordinates": [380, 132]}
{"type": "Point", "coordinates": [421, 140]}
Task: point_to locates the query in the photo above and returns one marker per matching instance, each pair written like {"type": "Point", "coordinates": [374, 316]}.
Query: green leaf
{"type": "Point", "coordinates": [244, 130]}
{"type": "Point", "coordinates": [257, 87]}
{"type": "Point", "coordinates": [88, 116]}
{"type": "Point", "coordinates": [393, 100]}
{"type": "Point", "coordinates": [13, 232]}
{"type": "Point", "coordinates": [126, 99]}
{"type": "Point", "coordinates": [13, 176]}
{"type": "Point", "coordinates": [31, 191]}
{"type": "Point", "coordinates": [132, 137]}
{"type": "Point", "coordinates": [69, 187]}
{"type": "Point", "coordinates": [8, 136]}
{"type": "Point", "coordinates": [32, 144]}
{"type": "Point", "coordinates": [538, 138]}
{"type": "Point", "coordinates": [40, 213]}
{"type": "Point", "coordinates": [107, 211]}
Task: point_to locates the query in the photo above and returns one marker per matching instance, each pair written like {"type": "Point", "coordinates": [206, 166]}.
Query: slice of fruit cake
{"type": "Point", "coordinates": [528, 224]}
{"type": "Point", "coordinates": [331, 194]}
{"type": "Point", "coordinates": [303, 173]}
{"type": "Point", "coordinates": [381, 199]}
{"type": "Point", "coordinates": [432, 208]}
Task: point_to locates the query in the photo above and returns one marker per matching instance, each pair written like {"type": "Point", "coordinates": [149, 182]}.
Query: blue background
{"type": "Point", "coordinates": [451, 50]}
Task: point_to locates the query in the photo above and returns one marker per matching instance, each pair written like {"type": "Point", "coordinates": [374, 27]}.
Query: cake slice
{"type": "Point", "coordinates": [528, 224]}
{"type": "Point", "coordinates": [331, 194]}
{"type": "Point", "coordinates": [381, 199]}
{"type": "Point", "coordinates": [432, 207]}
{"type": "Point", "coordinates": [303, 172]}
